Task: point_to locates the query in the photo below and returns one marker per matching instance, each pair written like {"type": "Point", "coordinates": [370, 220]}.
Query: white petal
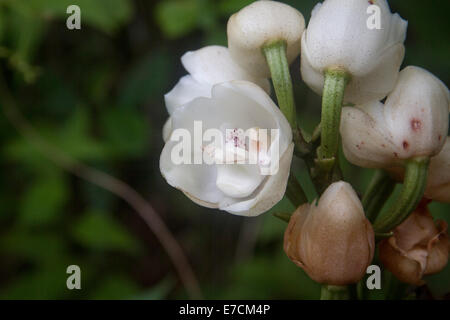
{"type": "Point", "coordinates": [377, 83]}
{"type": "Point", "coordinates": [365, 140]}
{"type": "Point", "coordinates": [185, 91]}
{"type": "Point", "coordinates": [270, 193]}
{"type": "Point", "coordinates": [167, 129]}
{"type": "Point", "coordinates": [416, 113]}
{"type": "Point", "coordinates": [338, 36]}
{"type": "Point", "coordinates": [238, 180]}
{"type": "Point", "coordinates": [213, 65]}
{"type": "Point", "coordinates": [196, 180]}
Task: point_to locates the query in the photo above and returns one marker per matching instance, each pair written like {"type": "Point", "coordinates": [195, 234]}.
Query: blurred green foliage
{"type": "Point", "coordinates": [97, 94]}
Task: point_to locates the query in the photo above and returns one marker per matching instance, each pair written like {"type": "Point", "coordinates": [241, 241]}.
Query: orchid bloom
{"type": "Point", "coordinates": [231, 184]}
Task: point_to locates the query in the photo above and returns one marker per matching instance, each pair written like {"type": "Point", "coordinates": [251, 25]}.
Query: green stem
{"type": "Point", "coordinates": [332, 98]}
{"type": "Point", "coordinates": [329, 292]}
{"type": "Point", "coordinates": [379, 190]}
{"type": "Point", "coordinates": [283, 216]}
{"type": "Point", "coordinates": [276, 58]}
{"type": "Point", "coordinates": [294, 191]}
{"type": "Point", "coordinates": [275, 54]}
{"type": "Point", "coordinates": [416, 171]}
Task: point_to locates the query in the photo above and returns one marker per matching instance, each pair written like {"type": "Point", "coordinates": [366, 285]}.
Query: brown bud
{"type": "Point", "coordinates": [418, 247]}
{"type": "Point", "coordinates": [331, 240]}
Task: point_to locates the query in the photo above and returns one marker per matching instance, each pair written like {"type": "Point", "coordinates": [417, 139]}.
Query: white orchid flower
{"type": "Point", "coordinates": [413, 122]}
{"type": "Point", "coordinates": [342, 35]}
{"type": "Point", "coordinates": [234, 185]}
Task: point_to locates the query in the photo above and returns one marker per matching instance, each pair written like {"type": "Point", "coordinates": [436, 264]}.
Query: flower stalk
{"type": "Point", "coordinates": [333, 95]}
{"type": "Point", "coordinates": [275, 54]}
{"type": "Point", "coordinates": [416, 171]}
{"type": "Point", "coordinates": [380, 188]}
{"type": "Point", "coordinates": [329, 292]}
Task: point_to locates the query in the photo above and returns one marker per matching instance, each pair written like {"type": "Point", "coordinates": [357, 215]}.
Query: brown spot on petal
{"type": "Point", "coordinates": [405, 144]}
{"type": "Point", "coordinates": [440, 137]}
{"type": "Point", "coordinates": [396, 154]}
{"type": "Point", "coordinates": [416, 124]}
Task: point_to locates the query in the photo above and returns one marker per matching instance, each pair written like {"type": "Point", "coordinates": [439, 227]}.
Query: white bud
{"type": "Point", "coordinates": [340, 35]}
{"type": "Point", "coordinates": [413, 122]}
{"type": "Point", "coordinates": [261, 23]}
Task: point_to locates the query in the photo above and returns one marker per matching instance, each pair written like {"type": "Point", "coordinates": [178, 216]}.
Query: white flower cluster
{"type": "Point", "coordinates": [228, 88]}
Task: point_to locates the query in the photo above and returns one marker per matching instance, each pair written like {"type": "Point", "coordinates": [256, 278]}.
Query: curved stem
{"type": "Point", "coordinates": [412, 191]}
{"type": "Point", "coordinates": [380, 188]}
{"type": "Point", "coordinates": [332, 98]}
{"type": "Point", "coordinates": [329, 292]}
{"type": "Point", "coordinates": [276, 58]}
{"type": "Point", "coordinates": [275, 54]}
{"type": "Point", "coordinates": [110, 183]}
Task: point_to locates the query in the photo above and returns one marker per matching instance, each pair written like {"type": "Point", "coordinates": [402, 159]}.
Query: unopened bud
{"type": "Point", "coordinates": [331, 240]}
{"type": "Point", "coordinates": [259, 24]}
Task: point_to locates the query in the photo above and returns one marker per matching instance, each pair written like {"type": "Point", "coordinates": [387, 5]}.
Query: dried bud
{"type": "Point", "coordinates": [418, 247]}
{"type": "Point", "coordinates": [331, 240]}
{"type": "Point", "coordinates": [261, 23]}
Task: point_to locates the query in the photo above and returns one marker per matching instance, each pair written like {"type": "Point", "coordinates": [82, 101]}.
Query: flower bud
{"type": "Point", "coordinates": [331, 240]}
{"type": "Point", "coordinates": [344, 34]}
{"type": "Point", "coordinates": [413, 122]}
{"type": "Point", "coordinates": [418, 247]}
{"type": "Point", "coordinates": [261, 23]}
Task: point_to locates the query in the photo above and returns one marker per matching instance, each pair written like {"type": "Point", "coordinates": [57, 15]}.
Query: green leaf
{"type": "Point", "coordinates": [148, 78]}
{"type": "Point", "coordinates": [228, 7]}
{"type": "Point", "coordinates": [126, 131]}
{"type": "Point", "coordinates": [251, 280]}
{"type": "Point", "coordinates": [75, 140]}
{"type": "Point", "coordinates": [115, 287]}
{"type": "Point", "coordinates": [38, 247]}
{"type": "Point", "coordinates": [43, 200]}
{"type": "Point", "coordinates": [99, 231]}
{"type": "Point", "coordinates": [158, 291]}
{"type": "Point", "coordinates": [177, 18]}
{"type": "Point", "coordinates": [106, 15]}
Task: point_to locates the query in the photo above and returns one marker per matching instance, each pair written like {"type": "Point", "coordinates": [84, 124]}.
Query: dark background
{"type": "Point", "coordinates": [97, 94]}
